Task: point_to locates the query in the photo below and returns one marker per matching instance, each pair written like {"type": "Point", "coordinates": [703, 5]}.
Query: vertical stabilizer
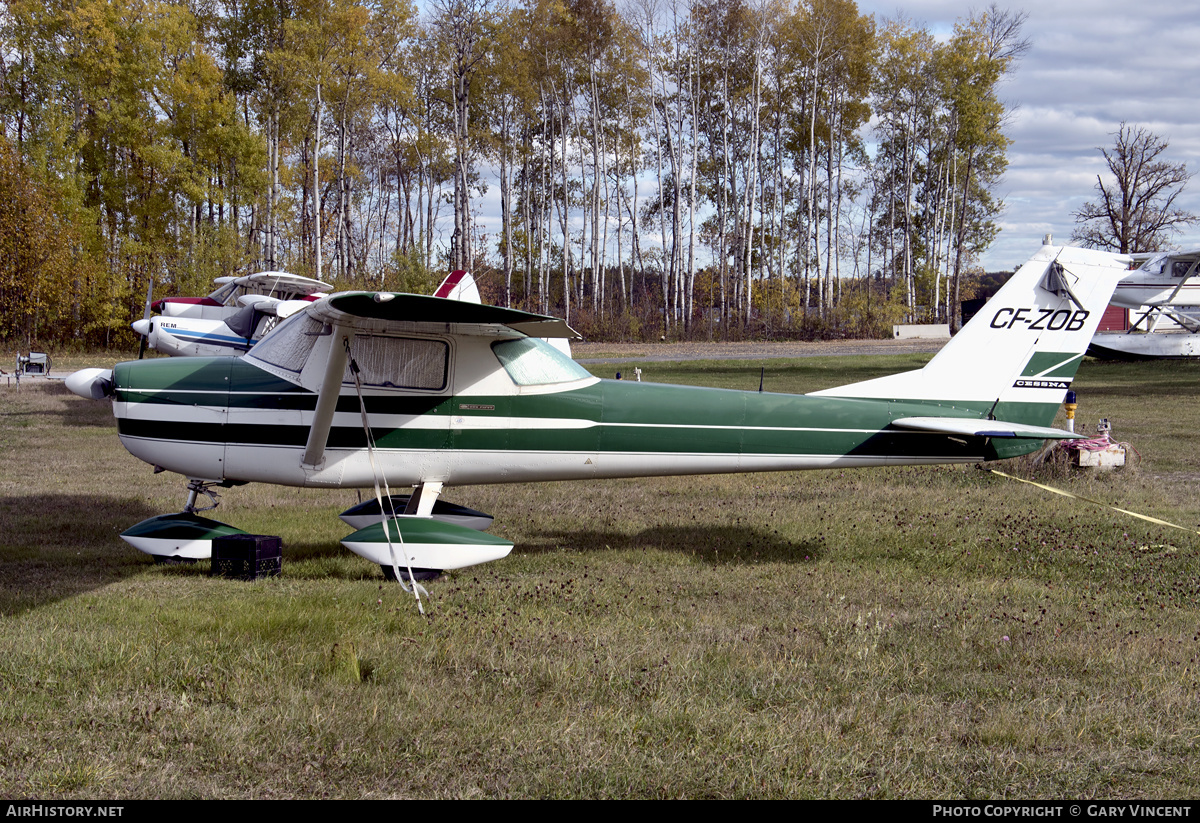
{"type": "Point", "coordinates": [1018, 355]}
{"type": "Point", "coordinates": [459, 285]}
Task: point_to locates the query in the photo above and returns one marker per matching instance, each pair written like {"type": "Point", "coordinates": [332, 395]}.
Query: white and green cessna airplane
{"type": "Point", "coordinates": [425, 393]}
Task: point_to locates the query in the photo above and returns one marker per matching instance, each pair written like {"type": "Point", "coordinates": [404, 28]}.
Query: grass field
{"type": "Point", "coordinates": [936, 632]}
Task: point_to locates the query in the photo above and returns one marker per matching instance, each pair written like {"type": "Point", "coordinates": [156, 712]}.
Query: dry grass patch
{"type": "Point", "coordinates": [885, 633]}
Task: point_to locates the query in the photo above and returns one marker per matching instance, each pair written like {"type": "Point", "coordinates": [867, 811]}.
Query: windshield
{"type": "Point", "coordinates": [225, 294]}
{"type": "Point", "coordinates": [531, 361]}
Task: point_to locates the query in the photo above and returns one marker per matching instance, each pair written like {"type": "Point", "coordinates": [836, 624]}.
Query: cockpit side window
{"type": "Point", "coordinates": [289, 345]}
{"type": "Point", "coordinates": [225, 294]}
{"type": "Point", "coordinates": [400, 362]}
{"type": "Point", "coordinates": [531, 361]}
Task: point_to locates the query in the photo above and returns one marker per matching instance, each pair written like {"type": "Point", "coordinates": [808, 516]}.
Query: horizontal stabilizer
{"type": "Point", "coordinates": [981, 428]}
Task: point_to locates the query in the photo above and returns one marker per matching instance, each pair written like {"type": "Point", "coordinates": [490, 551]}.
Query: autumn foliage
{"type": "Point", "coordinates": [709, 168]}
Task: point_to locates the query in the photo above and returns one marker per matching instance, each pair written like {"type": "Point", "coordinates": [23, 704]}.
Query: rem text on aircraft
{"type": "Point", "coordinates": [230, 319]}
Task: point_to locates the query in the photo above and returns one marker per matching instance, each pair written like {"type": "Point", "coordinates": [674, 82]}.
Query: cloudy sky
{"type": "Point", "coordinates": [1090, 67]}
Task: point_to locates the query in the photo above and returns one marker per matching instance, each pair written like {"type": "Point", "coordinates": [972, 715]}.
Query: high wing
{"type": "Point", "coordinates": [279, 284]}
{"type": "Point", "coordinates": [1186, 256]}
{"type": "Point", "coordinates": [359, 309]}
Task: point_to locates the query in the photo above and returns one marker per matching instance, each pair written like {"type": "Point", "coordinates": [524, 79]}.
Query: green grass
{"type": "Point", "coordinates": [901, 632]}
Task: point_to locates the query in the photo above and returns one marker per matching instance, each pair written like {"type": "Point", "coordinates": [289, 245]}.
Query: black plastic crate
{"type": "Point", "coordinates": [247, 556]}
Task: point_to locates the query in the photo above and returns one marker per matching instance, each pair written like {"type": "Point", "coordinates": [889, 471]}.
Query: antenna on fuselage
{"type": "Point", "coordinates": [761, 375]}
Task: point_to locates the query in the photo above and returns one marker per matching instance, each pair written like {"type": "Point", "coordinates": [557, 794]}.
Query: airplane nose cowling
{"type": "Point", "coordinates": [92, 384]}
{"type": "Point", "coordinates": [142, 326]}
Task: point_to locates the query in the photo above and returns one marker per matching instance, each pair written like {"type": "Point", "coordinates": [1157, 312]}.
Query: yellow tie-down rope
{"type": "Point", "coordinates": [1095, 502]}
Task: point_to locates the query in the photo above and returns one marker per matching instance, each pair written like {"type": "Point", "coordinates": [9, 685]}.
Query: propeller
{"type": "Point", "coordinates": [143, 326]}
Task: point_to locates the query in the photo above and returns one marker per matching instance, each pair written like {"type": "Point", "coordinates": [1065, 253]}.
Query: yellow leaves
{"type": "Point", "coordinates": [34, 250]}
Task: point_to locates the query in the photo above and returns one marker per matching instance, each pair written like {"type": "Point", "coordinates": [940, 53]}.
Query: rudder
{"type": "Point", "coordinates": [1018, 355]}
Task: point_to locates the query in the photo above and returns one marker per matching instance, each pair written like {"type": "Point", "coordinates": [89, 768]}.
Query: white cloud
{"type": "Point", "coordinates": [1089, 68]}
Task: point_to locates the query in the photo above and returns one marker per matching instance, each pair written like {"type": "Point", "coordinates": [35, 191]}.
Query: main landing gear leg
{"type": "Point", "coordinates": [423, 498]}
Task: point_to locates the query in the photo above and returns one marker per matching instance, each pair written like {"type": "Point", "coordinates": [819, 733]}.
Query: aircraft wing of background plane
{"type": "Point", "coordinates": [366, 389]}
{"type": "Point", "coordinates": [1186, 255]}
{"type": "Point", "coordinates": [280, 284]}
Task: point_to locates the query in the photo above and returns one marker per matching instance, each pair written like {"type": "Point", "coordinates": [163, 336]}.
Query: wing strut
{"type": "Point", "coordinates": [331, 387]}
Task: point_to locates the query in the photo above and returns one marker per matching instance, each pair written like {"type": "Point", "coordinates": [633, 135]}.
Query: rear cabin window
{"type": "Point", "coordinates": [289, 345]}
{"type": "Point", "coordinates": [400, 362]}
{"type": "Point", "coordinates": [531, 361]}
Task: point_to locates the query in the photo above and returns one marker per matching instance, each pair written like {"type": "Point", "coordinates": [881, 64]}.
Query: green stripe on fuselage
{"type": "Point", "coordinates": [618, 416]}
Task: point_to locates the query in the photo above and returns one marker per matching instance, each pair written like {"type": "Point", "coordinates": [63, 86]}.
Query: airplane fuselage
{"type": "Point", "coordinates": [182, 336]}
{"type": "Point", "coordinates": [1163, 280]}
{"type": "Point", "coordinates": [228, 419]}
{"type": "Point", "coordinates": [430, 392]}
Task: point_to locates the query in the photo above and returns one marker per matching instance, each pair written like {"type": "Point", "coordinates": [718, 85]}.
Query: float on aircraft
{"type": "Point", "coordinates": [421, 394]}
{"type": "Point", "coordinates": [1165, 290]}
